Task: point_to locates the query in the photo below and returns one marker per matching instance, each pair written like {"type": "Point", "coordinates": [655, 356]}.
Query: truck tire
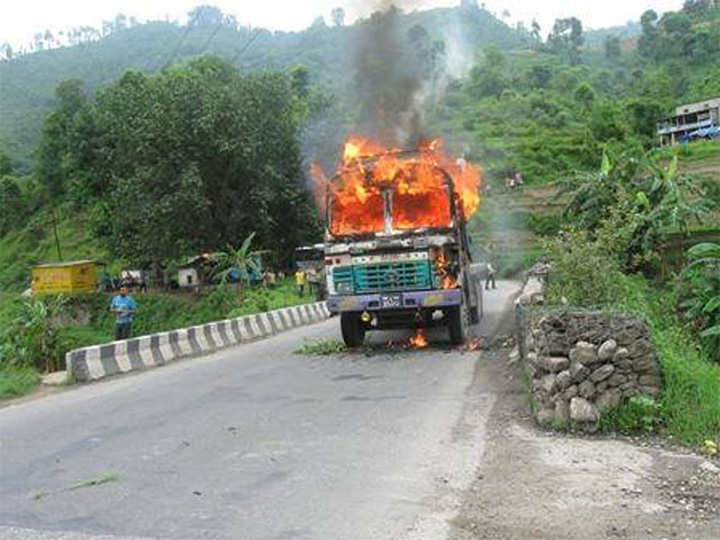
{"type": "Point", "coordinates": [458, 323]}
{"type": "Point", "coordinates": [353, 330]}
{"type": "Point", "coordinates": [474, 314]}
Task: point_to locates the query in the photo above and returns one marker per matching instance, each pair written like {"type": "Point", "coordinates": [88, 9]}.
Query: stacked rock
{"type": "Point", "coordinates": [573, 383]}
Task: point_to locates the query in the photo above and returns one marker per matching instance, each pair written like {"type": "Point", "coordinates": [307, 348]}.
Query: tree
{"type": "Point", "coordinates": [12, 203]}
{"type": "Point", "coordinates": [54, 159]}
{"type": "Point", "coordinates": [650, 34]}
{"type": "Point", "coordinates": [567, 38]}
{"type": "Point", "coordinates": [7, 51]}
{"type": "Point", "coordinates": [585, 95]}
{"type": "Point", "coordinates": [536, 31]}
{"type": "Point", "coordinates": [697, 6]}
{"type": "Point", "coordinates": [205, 16]}
{"type": "Point", "coordinates": [186, 148]}
{"type": "Point", "coordinates": [338, 16]}
{"type": "Point", "coordinates": [612, 48]}
{"type": "Point", "coordinates": [6, 167]}
{"type": "Point", "coordinates": [489, 79]}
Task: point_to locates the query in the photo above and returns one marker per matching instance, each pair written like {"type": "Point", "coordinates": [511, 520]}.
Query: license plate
{"type": "Point", "coordinates": [391, 301]}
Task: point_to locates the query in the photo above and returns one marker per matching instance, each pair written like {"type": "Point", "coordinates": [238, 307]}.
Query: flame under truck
{"type": "Point", "coordinates": [398, 257]}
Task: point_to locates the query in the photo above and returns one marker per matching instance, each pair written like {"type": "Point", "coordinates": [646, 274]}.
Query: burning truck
{"type": "Point", "coordinates": [396, 247]}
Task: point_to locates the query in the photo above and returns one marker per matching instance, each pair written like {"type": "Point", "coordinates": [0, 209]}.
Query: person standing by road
{"type": "Point", "coordinates": [312, 280]}
{"type": "Point", "coordinates": [300, 281]}
{"type": "Point", "coordinates": [123, 306]}
{"type": "Point", "coordinates": [490, 276]}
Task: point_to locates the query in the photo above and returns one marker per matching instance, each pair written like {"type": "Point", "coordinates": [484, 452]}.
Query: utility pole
{"type": "Point", "coordinates": [57, 238]}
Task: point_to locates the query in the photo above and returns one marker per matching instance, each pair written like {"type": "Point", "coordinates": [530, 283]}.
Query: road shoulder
{"type": "Point", "coordinates": [536, 484]}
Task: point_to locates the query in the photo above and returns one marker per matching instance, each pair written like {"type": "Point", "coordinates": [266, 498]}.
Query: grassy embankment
{"type": "Point", "coordinates": [157, 312]}
{"type": "Point", "coordinates": [689, 409]}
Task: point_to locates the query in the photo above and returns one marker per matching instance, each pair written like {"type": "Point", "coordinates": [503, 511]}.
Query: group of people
{"type": "Point", "coordinates": [514, 181]}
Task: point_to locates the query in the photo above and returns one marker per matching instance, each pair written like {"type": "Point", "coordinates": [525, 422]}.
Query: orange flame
{"type": "Point", "coordinates": [419, 341]}
{"type": "Point", "coordinates": [442, 267]}
{"type": "Point", "coordinates": [416, 183]}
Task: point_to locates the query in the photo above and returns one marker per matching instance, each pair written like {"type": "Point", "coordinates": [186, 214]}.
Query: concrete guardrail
{"type": "Point", "coordinates": [100, 361]}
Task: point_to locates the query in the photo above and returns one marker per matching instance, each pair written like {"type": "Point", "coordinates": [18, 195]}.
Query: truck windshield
{"type": "Point", "coordinates": [421, 210]}
{"type": "Point", "coordinates": [370, 212]}
{"type": "Point", "coordinates": [357, 214]}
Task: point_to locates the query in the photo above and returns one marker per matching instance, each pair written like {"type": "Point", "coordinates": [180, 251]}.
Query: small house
{"type": "Point", "coordinates": [65, 277]}
{"type": "Point", "coordinates": [691, 121]}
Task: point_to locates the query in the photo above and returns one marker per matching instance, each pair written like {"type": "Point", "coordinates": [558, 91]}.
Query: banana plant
{"type": "Point", "coordinates": [702, 279]}
{"type": "Point", "coordinates": [241, 258]}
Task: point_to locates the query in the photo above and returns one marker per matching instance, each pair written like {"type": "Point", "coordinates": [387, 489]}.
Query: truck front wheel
{"type": "Point", "coordinates": [353, 330]}
{"type": "Point", "coordinates": [458, 323]}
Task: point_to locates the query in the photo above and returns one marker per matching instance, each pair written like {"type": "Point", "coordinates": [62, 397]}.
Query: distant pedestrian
{"type": "Point", "coordinates": [269, 279]}
{"type": "Point", "coordinates": [124, 308]}
{"type": "Point", "coordinates": [490, 276]}
{"type": "Point", "coordinates": [300, 281]}
{"type": "Point", "coordinates": [518, 179]}
{"type": "Point", "coordinates": [312, 280]}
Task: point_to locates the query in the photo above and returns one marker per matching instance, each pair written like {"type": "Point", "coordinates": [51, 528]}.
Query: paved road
{"type": "Point", "coordinates": [254, 442]}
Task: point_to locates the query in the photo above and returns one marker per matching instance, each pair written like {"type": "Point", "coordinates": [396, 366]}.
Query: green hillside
{"type": "Point", "coordinates": [29, 81]}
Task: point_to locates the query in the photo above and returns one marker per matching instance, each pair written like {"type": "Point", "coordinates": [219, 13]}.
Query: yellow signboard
{"type": "Point", "coordinates": [65, 277]}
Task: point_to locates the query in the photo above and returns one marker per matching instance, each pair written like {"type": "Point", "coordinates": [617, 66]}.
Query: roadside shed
{"type": "Point", "coordinates": [65, 277]}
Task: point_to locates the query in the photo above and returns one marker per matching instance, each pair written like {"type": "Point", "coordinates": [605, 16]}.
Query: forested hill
{"type": "Point", "coordinates": [28, 81]}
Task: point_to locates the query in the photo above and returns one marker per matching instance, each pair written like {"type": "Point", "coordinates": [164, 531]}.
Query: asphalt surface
{"type": "Point", "coordinates": [255, 442]}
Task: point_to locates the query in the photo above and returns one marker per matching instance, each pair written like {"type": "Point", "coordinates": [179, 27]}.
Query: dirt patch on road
{"type": "Point", "coordinates": [540, 485]}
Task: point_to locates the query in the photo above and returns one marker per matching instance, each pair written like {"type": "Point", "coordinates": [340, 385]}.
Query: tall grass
{"type": "Point", "coordinates": [17, 380]}
{"type": "Point", "coordinates": [690, 403]}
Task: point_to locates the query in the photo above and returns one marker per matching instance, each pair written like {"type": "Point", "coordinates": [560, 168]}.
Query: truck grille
{"type": "Point", "coordinates": [395, 276]}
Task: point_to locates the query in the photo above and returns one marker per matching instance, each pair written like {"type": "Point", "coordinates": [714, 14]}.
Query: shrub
{"type": "Point", "coordinates": [583, 274]}
{"type": "Point", "coordinates": [17, 380]}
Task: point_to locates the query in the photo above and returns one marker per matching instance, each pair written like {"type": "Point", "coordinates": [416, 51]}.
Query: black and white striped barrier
{"type": "Point", "coordinates": [100, 361]}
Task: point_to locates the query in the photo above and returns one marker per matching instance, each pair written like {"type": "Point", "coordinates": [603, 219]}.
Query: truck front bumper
{"type": "Point", "coordinates": [410, 300]}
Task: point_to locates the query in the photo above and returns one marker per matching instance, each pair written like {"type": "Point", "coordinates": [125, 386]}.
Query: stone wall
{"type": "Point", "coordinates": [583, 364]}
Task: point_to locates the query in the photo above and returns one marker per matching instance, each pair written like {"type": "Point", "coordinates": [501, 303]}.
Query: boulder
{"type": "Point", "coordinates": [582, 411]}
{"type": "Point", "coordinates": [545, 416]}
{"type": "Point", "coordinates": [608, 400]}
{"type": "Point", "coordinates": [586, 389]}
{"type": "Point", "coordinates": [532, 358]}
{"type": "Point", "coordinates": [553, 364]}
{"type": "Point", "coordinates": [648, 365]}
{"type": "Point", "coordinates": [578, 372]}
{"type": "Point", "coordinates": [630, 392]}
{"type": "Point", "coordinates": [601, 386]}
{"type": "Point", "coordinates": [607, 350]}
{"type": "Point", "coordinates": [564, 379]}
{"type": "Point", "coordinates": [617, 379]}
{"type": "Point", "coordinates": [562, 413]}
{"type": "Point", "coordinates": [640, 347]}
{"type": "Point", "coordinates": [621, 354]}
{"type": "Point", "coordinates": [529, 342]}
{"type": "Point", "coordinates": [548, 384]}
{"type": "Point", "coordinates": [602, 373]}
{"type": "Point", "coordinates": [584, 353]}
{"type": "Point", "coordinates": [571, 392]}
{"type": "Point", "coordinates": [649, 380]}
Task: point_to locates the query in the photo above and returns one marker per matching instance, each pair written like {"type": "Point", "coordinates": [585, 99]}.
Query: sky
{"type": "Point", "coordinates": [19, 21]}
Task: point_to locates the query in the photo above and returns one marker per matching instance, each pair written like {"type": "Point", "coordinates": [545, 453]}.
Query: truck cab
{"type": "Point", "coordinates": [397, 253]}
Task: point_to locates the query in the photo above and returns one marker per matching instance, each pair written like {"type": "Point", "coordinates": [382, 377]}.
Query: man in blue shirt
{"type": "Point", "coordinates": [124, 308]}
